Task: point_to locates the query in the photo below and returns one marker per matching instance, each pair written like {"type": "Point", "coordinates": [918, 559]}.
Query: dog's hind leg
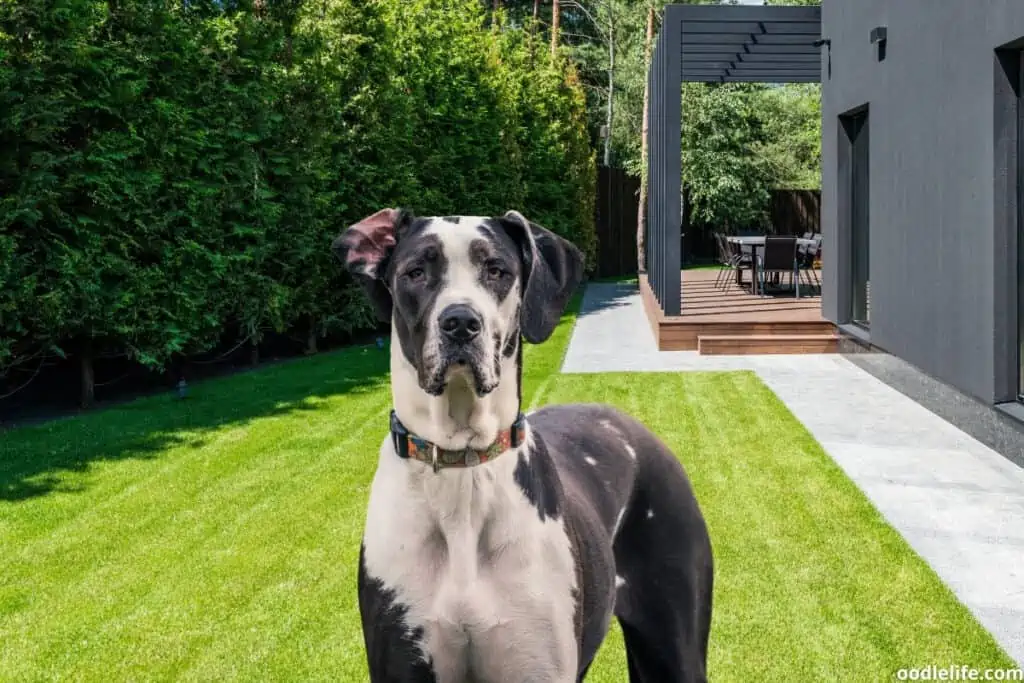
{"type": "Point", "coordinates": [663, 603]}
{"type": "Point", "coordinates": [661, 649]}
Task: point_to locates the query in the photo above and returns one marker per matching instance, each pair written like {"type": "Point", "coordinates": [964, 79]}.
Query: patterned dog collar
{"type": "Point", "coordinates": [410, 446]}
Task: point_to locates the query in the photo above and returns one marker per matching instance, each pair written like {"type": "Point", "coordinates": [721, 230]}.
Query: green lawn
{"type": "Point", "coordinates": [216, 538]}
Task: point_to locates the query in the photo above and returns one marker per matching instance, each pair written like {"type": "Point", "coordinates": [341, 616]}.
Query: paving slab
{"type": "Point", "coordinates": [958, 503]}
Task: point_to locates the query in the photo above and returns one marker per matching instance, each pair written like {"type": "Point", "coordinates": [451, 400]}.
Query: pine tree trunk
{"type": "Point", "coordinates": [311, 338]}
{"type": "Point", "coordinates": [611, 90]}
{"type": "Point", "coordinates": [254, 353]}
{"type": "Point", "coordinates": [641, 264]}
{"type": "Point", "coordinates": [556, 20]}
{"type": "Point", "coordinates": [175, 369]}
{"type": "Point", "coordinates": [88, 376]}
{"type": "Point", "coordinates": [533, 29]}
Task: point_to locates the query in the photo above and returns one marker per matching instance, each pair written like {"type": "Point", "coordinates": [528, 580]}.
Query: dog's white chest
{"type": "Point", "coordinates": [490, 584]}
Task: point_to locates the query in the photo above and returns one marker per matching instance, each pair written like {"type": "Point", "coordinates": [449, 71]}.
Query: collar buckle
{"type": "Point", "coordinates": [433, 458]}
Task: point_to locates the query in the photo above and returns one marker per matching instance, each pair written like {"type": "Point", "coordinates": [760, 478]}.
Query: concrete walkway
{"type": "Point", "coordinates": [959, 504]}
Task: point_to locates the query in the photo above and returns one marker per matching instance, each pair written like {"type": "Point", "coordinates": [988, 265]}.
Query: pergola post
{"type": "Point", "coordinates": [664, 167]}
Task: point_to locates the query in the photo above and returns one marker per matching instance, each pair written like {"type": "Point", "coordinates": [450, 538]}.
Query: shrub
{"type": "Point", "coordinates": [172, 175]}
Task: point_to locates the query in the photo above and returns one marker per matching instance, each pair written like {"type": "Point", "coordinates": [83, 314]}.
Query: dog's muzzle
{"type": "Point", "coordinates": [462, 349]}
{"type": "Point", "coordinates": [460, 324]}
{"type": "Point", "coordinates": [461, 341]}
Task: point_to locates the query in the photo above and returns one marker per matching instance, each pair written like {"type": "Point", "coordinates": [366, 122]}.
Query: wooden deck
{"type": "Point", "coordinates": [728, 319]}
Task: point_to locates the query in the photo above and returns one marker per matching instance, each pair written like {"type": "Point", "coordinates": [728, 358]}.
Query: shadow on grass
{"type": "Point", "coordinates": [33, 459]}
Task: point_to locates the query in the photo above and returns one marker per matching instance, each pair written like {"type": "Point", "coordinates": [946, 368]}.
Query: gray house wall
{"type": "Point", "coordinates": [942, 238]}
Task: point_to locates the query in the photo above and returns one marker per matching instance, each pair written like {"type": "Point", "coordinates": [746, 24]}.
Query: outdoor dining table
{"type": "Point", "coordinates": [756, 242]}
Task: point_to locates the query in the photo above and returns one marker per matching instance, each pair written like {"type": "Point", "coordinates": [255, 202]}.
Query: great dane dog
{"type": "Point", "coordinates": [498, 545]}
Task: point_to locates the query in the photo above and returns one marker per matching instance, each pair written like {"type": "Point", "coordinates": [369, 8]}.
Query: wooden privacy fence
{"type": "Point", "coordinates": [618, 196]}
{"type": "Point", "coordinates": [795, 212]}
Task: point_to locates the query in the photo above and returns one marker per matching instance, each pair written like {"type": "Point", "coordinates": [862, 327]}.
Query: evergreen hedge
{"type": "Point", "coordinates": [172, 174]}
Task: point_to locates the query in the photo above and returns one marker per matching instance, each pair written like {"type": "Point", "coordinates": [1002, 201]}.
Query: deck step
{"type": "Point", "coordinates": [720, 344]}
{"type": "Point", "coordinates": [675, 336]}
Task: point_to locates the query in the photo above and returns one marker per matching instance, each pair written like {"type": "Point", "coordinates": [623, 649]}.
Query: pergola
{"type": "Point", "coordinates": [710, 44]}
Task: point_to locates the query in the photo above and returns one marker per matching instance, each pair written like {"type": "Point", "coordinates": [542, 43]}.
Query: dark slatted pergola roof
{"type": "Point", "coordinates": [772, 44]}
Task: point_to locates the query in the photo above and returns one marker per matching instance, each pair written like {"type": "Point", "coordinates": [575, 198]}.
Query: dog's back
{"type": "Point", "coordinates": [620, 476]}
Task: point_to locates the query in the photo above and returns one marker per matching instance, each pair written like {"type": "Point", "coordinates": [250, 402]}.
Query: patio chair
{"type": "Point", "coordinates": [745, 255]}
{"type": "Point", "coordinates": [722, 257]}
{"type": "Point", "coordinates": [806, 261]}
{"type": "Point", "coordinates": [802, 249]}
{"type": "Point", "coordinates": [733, 258]}
{"type": "Point", "coordinates": [726, 259]}
{"type": "Point", "coordinates": [779, 256]}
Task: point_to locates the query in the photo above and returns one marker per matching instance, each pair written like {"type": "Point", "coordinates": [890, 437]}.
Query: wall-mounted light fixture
{"type": "Point", "coordinates": [826, 41]}
{"type": "Point", "coordinates": [878, 38]}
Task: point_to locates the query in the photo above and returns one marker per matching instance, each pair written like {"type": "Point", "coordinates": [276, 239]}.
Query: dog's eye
{"type": "Point", "coordinates": [495, 272]}
{"type": "Point", "coordinates": [415, 274]}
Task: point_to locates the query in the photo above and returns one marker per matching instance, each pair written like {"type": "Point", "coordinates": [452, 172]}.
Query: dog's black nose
{"type": "Point", "coordinates": [460, 323]}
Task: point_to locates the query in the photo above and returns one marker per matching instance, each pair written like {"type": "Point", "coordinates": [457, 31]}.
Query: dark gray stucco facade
{"type": "Point", "coordinates": [942, 182]}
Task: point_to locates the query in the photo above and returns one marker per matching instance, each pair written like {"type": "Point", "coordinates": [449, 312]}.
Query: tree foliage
{"type": "Point", "coordinates": [742, 140]}
{"type": "Point", "coordinates": [727, 183]}
{"type": "Point", "coordinates": [172, 174]}
{"type": "Point", "coordinates": [791, 119]}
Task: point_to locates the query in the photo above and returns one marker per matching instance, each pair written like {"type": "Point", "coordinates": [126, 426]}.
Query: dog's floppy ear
{"type": "Point", "coordinates": [552, 270]}
{"type": "Point", "coordinates": [364, 249]}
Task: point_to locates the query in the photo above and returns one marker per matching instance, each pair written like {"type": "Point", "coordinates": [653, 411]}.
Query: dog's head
{"type": "Point", "coordinates": [461, 290]}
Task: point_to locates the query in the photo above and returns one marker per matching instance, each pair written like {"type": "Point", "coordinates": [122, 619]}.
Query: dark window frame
{"type": "Point", "coordinates": [852, 124]}
{"type": "Point", "coordinates": [1008, 235]}
{"type": "Point", "coordinates": [1020, 225]}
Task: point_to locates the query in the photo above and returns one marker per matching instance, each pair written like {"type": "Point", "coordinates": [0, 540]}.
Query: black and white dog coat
{"type": "Point", "coordinates": [498, 545]}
